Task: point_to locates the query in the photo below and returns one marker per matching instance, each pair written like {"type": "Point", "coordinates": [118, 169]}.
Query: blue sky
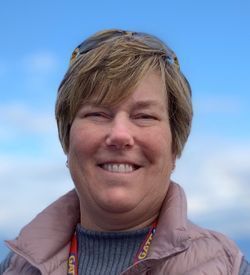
{"type": "Point", "coordinates": [211, 39]}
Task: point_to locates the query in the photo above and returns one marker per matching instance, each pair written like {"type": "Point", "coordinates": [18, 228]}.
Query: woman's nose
{"type": "Point", "coordinates": [120, 134]}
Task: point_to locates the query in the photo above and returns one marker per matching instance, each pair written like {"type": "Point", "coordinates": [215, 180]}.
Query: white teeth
{"type": "Point", "coordinates": [118, 168]}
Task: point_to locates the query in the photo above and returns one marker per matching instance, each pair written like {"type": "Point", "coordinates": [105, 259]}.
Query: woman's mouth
{"type": "Point", "coordinates": [119, 167]}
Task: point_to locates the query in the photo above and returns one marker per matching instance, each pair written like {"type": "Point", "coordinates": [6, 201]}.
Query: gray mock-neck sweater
{"type": "Point", "coordinates": [107, 253]}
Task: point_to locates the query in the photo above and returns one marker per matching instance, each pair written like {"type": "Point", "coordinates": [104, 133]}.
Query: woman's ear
{"type": "Point", "coordinates": [173, 162]}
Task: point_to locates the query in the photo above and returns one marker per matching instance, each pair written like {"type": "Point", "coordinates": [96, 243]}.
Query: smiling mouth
{"type": "Point", "coordinates": [119, 167]}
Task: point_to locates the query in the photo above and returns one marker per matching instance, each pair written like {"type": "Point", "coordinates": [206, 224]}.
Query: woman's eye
{"type": "Point", "coordinates": [97, 115]}
{"type": "Point", "coordinates": [145, 116]}
{"type": "Point", "coordinates": [93, 114]}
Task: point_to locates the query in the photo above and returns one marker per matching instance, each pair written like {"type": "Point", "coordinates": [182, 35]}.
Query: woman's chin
{"type": "Point", "coordinates": [118, 203]}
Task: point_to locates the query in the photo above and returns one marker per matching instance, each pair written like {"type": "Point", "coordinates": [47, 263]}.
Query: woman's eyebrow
{"type": "Point", "coordinates": [148, 103]}
{"type": "Point", "coordinates": [90, 106]}
{"type": "Point", "coordinates": [138, 105]}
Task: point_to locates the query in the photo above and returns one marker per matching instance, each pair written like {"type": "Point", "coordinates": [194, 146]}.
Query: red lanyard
{"type": "Point", "coordinates": [140, 255]}
{"type": "Point", "coordinates": [143, 250]}
{"type": "Point", "coordinates": [73, 257]}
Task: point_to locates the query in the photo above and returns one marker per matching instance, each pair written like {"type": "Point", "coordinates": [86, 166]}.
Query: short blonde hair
{"type": "Point", "coordinates": [107, 67]}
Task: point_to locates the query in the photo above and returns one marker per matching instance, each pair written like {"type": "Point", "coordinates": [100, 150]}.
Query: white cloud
{"type": "Point", "coordinates": [27, 186]}
{"type": "Point", "coordinates": [22, 119]}
{"type": "Point", "coordinates": [217, 180]}
{"type": "Point", "coordinates": [30, 178]}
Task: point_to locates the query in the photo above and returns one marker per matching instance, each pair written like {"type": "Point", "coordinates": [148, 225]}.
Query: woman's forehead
{"type": "Point", "coordinates": [149, 93]}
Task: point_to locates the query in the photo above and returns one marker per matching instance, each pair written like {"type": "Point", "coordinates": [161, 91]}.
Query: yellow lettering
{"type": "Point", "coordinates": [142, 255]}
{"type": "Point", "coordinates": [71, 262]}
{"type": "Point", "coordinates": [145, 248]}
{"type": "Point", "coordinates": [71, 259]}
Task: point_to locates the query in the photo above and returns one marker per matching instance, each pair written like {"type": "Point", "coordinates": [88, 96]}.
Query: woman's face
{"type": "Point", "coordinates": [120, 158]}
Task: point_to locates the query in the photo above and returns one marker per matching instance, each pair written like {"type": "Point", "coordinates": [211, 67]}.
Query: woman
{"type": "Point", "coordinates": [124, 114]}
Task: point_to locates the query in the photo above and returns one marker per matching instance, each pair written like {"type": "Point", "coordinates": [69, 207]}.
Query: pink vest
{"type": "Point", "coordinates": [178, 246]}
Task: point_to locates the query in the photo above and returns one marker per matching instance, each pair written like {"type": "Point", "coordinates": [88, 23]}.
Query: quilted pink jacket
{"type": "Point", "coordinates": [178, 246]}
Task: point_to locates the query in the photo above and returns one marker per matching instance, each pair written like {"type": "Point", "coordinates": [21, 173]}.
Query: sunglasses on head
{"type": "Point", "coordinates": [149, 40]}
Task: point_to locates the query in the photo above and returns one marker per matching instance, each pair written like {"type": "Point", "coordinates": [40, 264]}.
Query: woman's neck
{"type": "Point", "coordinates": [116, 222]}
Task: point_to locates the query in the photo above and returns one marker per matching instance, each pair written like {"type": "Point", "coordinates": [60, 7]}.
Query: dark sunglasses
{"type": "Point", "coordinates": [109, 36]}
